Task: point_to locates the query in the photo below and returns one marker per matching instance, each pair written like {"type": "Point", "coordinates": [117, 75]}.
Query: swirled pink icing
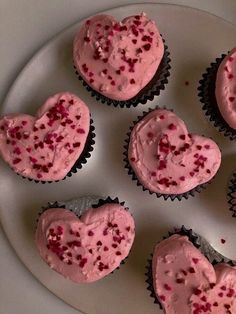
{"type": "Point", "coordinates": [118, 59]}
{"type": "Point", "coordinates": [88, 248]}
{"type": "Point", "coordinates": [185, 281]}
{"type": "Point", "coordinates": [45, 147]}
{"type": "Point", "coordinates": [166, 158]}
{"type": "Point", "coordinates": [226, 88]}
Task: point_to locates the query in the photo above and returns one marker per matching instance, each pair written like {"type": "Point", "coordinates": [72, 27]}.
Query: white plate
{"type": "Point", "coordinates": [195, 39]}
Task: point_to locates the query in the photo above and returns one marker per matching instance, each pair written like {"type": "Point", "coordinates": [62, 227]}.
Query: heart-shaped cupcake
{"type": "Point", "coordinates": [46, 147]}
{"type": "Point", "coordinates": [167, 159]}
{"type": "Point", "coordinates": [118, 59]}
{"type": "Point", "coordinates": [225, 89]}
{"type": "Point", "coordinates": [186, 282]}
{"type": "Point", "coordinates": [87, 248]}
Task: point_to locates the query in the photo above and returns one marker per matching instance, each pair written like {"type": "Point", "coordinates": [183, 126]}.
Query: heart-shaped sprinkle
{"type": "Point", "coordinates": [226, 88]}
{"type": "Point", "coordinates": [166, 158]}
{"type": "Point", "coordinates": [45, 147]}
{"type": "Point", "coordinates": [88, 248]}
{"type": "Point", "coordinates": [118, 59]}
{"type": "Point", "coordinates": [186, 282]}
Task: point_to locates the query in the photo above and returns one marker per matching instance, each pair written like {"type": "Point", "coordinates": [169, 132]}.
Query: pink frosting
{"type": "Point", "coordinates": [218, 299]}
{"type": "Point", "coordinates": [88, 248]}
{"type": "Point", "coordinates": [185, 282]}
{"type": "Point", "coordinates": [46, 147]}
{"type": "Point", "coordinates": [118, 59]}
{"type": "Point", "coordinates": [166, 158]}
{"type": "Point", "coordinates": [226, 88]}
{"type": "Point", "coordinates": [178, 270]}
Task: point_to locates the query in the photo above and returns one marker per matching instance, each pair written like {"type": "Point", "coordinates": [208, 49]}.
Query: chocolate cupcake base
{"type": "Point", "coordinates": [86, 153]}
{"type": "Point", "coordinates": [153, 88]}
{"type": "Point", "coordinates": [209, 104]}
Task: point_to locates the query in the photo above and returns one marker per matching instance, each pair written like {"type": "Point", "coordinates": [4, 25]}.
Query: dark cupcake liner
{"type": "Point", "coordinates": [85, 155]}
{"type": "Point", "coordinates": [152, 89]}
{"type": "Point", "coordinates": [209, 104]}
{"type": "Point", "coordinates": [101, 201]}
{"type": "Point", "coordinates": [131, 172]}
{"type": "Point", "coordinates": [232, 198]}
{"type": "Point", "coordinates": [196, 241]}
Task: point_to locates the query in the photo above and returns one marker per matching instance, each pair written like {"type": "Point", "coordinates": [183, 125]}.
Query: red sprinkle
{"type": "Point", "coordinates": [81, 131]}
{"type": "Point", "coordinates": [172, 127]}
{"type": "Point", "coordinates": [222, 241]}
{"type": "Point", "coordinates": [195, 260]}
{"type": "Point", "coordinates": [147, 47]}
{"type": "Point", "coordinates": [167, 287]}
{"type": "Point", "coordinates": [162, 297]}
{"type": "Point", "coordinates": [16, 161]}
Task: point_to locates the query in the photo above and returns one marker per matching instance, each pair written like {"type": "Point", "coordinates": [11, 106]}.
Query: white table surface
{"type": "Point", "coordinates": [25, 25]}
